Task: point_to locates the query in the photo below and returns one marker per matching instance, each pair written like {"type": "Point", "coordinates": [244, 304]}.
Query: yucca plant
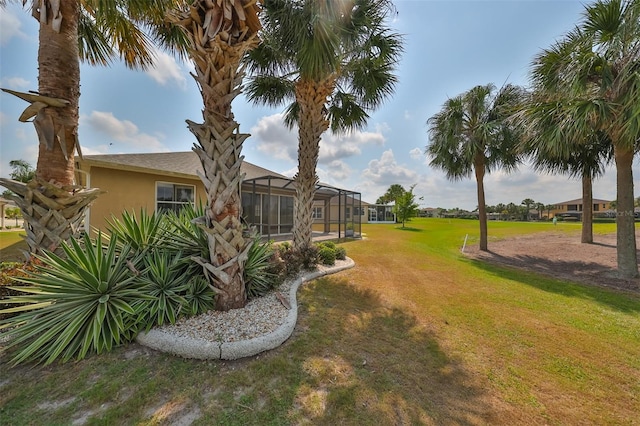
{"type": "Point", "coordinates": [166, 283]}
{"type": "Point", "coordinates": [257, 275]}
{"type": "Point", "coordinates": [200, 296]}
{"type": "Point", "coordinates": [184, 234]}
{"type": "Point", "coordinates": [83, 302]}
{"type": "Point", "coordinates": [139, 233]}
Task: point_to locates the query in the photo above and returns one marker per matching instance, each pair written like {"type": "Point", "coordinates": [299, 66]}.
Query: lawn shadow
{"type": "Point", "coordinates": [14, 252]}
{"type": "Point", "coordinates": [586, 280]}
{"type": "Point", "coordinates": [372, 363]}
{"type": "Point", "coordinates": [409, 229]}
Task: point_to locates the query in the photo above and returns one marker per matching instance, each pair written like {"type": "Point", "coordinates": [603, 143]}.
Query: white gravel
{"type": "Point", "coordinates": [260, 316]}
{"type": "Point", "coordinates": [263, 324]}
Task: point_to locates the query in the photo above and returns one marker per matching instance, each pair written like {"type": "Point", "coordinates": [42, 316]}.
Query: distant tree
{"type": "Point", "coordinates": [548, 208]}
{"type": "Point", "coordinates": [614, 204]}
{"type": "Point", "coordinates": [406, 206]}
{"type": "Point", "coordinates": [394, 192]}
{"type": "Point", "coordinates": [540, 208]}
{"type": "Point", "coordinates": [13, 213]}
{"type": "Point", "coordinates": [470, 135]}
{"type": "Point", "coordinates": [22, 171]}
{"type": "Point", "coordinates": [527, 203]}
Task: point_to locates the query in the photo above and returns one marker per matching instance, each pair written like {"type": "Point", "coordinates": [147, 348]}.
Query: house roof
{"type": "Point", "coordinates": [186, 164]}
{"type": "Point", "coordinates": [579, 201]}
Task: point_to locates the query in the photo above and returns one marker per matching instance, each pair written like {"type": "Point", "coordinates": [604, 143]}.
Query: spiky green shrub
{"type": "Point", "coordinates": [139, 233]}
{"type": "Point", "coordinates": [258, 276]}
{"type": "Point", "coordinates": [82, 303]}
{"type": "Point", "coordinates": [327, 255]}
{"type": "Point", "coordinates": [166, 283]}
{"type": "Point", "coordinates": [199, 296]}
{"type": "Point", "coordinates": [182, 232]}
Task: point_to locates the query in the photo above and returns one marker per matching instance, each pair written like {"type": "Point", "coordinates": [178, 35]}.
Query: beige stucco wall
{"type": "Point", "coordinates": [128, 190]}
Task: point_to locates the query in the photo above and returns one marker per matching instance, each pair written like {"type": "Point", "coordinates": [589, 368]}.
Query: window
{"type": "Point", "coordinates": [170, 196]}
{"type": "Point", "coordinates": [317, 213]}
{"type": "Point", "coordinates": [348, 213]}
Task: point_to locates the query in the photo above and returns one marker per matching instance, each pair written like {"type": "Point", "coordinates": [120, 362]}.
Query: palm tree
{"type": "Point", "coordinates": [331, 62]}
{"type": "Point", "coordinates": [540, 209]}
{"type": "Point", "coordinates": [527, 203]}
{"type": "Point", "coordinates": [586, 161]}
{"type": "Point", "coordinates": [220, 33]}
{"type": "Point", "coordinates": [70, 31]}
{"type": "Point", "coordinates": [592, 81]}
{"type": "Point", "coordinates": [471, 135]}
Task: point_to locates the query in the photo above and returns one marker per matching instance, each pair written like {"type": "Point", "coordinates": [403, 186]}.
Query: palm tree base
{"type": "Point", "coordinates": [52, 213]}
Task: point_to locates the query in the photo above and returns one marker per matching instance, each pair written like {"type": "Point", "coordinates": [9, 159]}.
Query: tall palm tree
{"type": "Point", "coordinates": [592, 79]}
{"type": "Point", "coordinates": [332, 62]}
{"type": "Point", "coordinates": [471, 135]}
{"type": "Point", "coordinates": [70, 31]}
{"type": "Point", "coordinates": [587, 160]}
{"type": "Point", "coordinates": [220, 33]}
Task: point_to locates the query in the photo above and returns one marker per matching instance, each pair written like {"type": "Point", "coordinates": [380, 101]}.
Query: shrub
{"type": "Point", "coordinates": [138, 233]}
{"type": "Point", "coordinates": [309, 257]}
{"type": "Point", "coordinates": [257, 275]}
{"type": "Point", "coordinates": [199, 296]}
{"type": "Point", "coordinates": [81, 303]}
{"type": "Point", "coordinates": [182, 232]}
{"type": "Point", "coordinates": [341, 253]}
{"type": "Point", "coordinates": [165, 284]}
{"type": "Point", "coordinates": [327, 255]}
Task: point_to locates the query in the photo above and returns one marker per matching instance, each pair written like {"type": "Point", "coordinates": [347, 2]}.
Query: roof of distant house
{"type": "Point", "coordinates": [579, 201]}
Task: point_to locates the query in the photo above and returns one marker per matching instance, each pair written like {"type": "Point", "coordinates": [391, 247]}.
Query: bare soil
{"type": "Point", "coordinates": [562, 256]}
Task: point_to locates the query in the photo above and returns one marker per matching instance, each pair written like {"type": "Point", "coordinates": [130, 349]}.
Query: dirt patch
{"type": "Point", "coordinates": [562, 256]}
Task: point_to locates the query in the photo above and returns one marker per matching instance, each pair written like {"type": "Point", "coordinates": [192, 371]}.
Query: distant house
{"type": "Point", "coordinates": [572, 209]}
{"type": "Point", "coordinates": [166, 181]}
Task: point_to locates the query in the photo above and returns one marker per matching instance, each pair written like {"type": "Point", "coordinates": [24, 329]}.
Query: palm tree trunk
{"type": "Point", "coordinates": [587, 210]}
{"type": "Point", "coordinates": [311, 97]}
{"type": "Point", "coordinates": [52, 206]}
{"type": "Point", "coordinates": [220, 35]}
{"type": "Point", "coordinates": [626, 237]}
{"type": "Point", "coordinates": [482, 208]}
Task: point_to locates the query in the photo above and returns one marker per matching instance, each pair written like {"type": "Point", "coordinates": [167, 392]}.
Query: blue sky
{"type": "Point", "coordinates": [450, 46]}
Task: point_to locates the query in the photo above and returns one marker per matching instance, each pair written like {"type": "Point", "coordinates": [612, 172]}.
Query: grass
{"type": "Point", "coordinates": [11, 246]}
{"type": "Point", "coordinates": [414, 334]}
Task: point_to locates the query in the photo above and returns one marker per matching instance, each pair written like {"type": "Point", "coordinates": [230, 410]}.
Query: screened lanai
{"type": "Point", "coordinates": [267, 204]}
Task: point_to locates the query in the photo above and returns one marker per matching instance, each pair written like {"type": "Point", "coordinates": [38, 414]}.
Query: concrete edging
{"type": "Point", "coordinates": [188, 347]}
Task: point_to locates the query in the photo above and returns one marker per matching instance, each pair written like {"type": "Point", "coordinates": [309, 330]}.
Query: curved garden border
{"type": "Point", "coordinates": [188, 347]}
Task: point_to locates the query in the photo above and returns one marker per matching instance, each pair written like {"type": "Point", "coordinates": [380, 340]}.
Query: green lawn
{"type": "Point", "coordinates": [414, 334]}
{"type": "Point", "coordinates": [11, 246]}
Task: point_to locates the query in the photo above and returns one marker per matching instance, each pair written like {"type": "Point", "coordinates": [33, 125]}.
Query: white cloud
{"type": "Point", "coordinates": [277, 141]}
{"type": "Point", "coordinates": [166, 69]}
{"type": "Point", "coordinates": [417, 154]}
{"type": "Point", "coordinates": [274, 139]}
{"type": "Point", "coordinates": [387, 171]}
{"type": "Point", "coordinates": [15, 82]}
{"type": "Point", "coordinates": [4, 119]}
{"type": "Point", "coordinates": [122, 131]}
{"type": "Point", "coordinates": [407, 115]}
{"type": "Point", "coordinates": [9, 27]}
